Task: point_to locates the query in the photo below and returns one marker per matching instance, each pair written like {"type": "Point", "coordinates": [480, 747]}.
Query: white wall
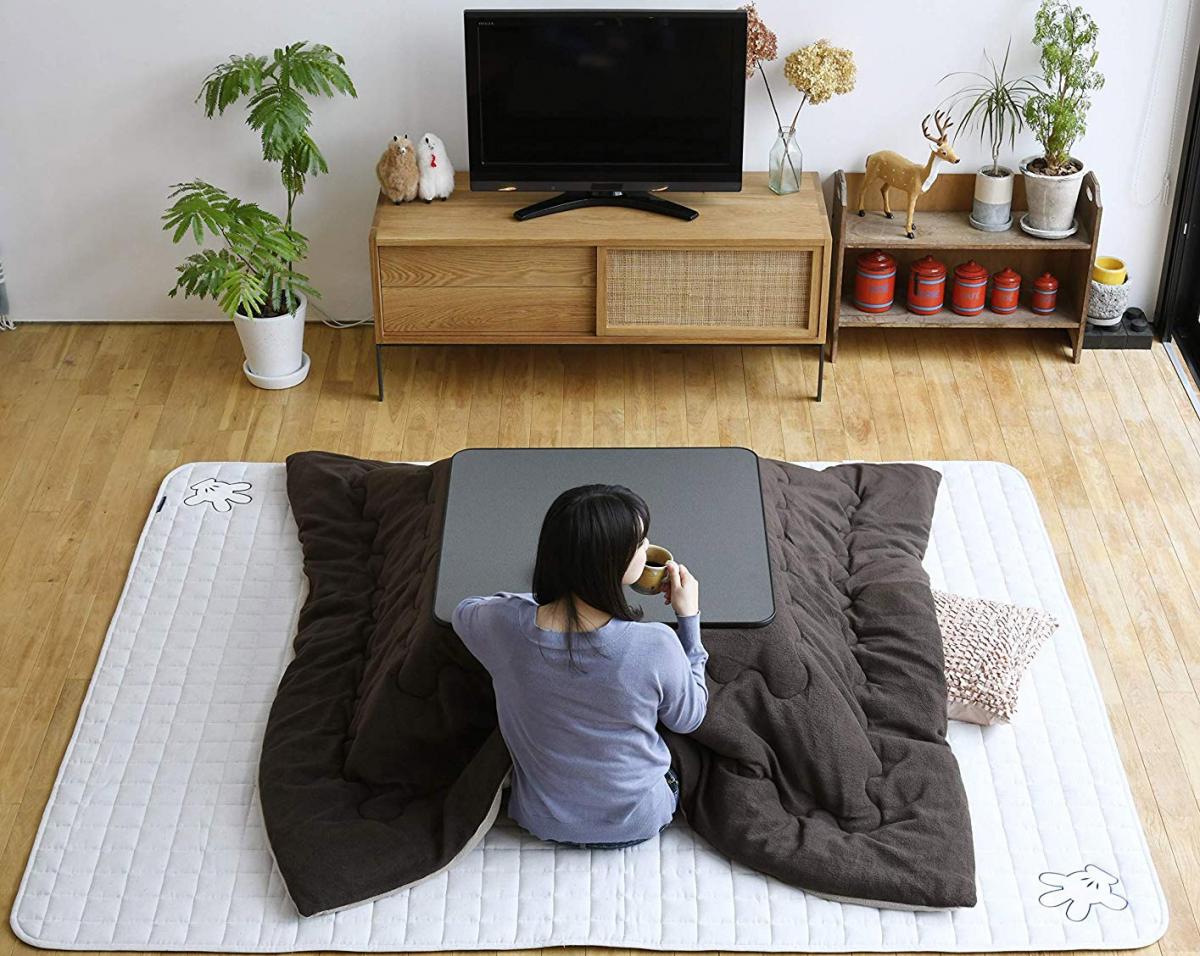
{"type": "Point", "coordinates": [97, 120]}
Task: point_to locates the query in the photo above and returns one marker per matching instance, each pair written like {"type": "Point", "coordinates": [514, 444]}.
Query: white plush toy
{"type": "Point", "coordinates": [437, 174]}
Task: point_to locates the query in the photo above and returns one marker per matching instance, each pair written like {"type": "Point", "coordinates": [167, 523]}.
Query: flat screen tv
{"type": "Point", "coordinates": [610, 106]}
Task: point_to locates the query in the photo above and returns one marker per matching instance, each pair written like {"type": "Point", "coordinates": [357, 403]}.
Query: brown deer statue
{"type": "Point", "coordinates": [895, 172]}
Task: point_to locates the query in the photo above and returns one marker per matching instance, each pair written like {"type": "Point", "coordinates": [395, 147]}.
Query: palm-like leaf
{"type": "Point", "coordinates": [230, 81]}
{"type": "Point", "coordinates": [252, 273]}
{"type": "Point", "coordinates": [994, 105]}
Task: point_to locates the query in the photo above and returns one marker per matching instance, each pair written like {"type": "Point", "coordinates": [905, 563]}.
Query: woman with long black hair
{"type": "Point", "coordinates": [581, 684]}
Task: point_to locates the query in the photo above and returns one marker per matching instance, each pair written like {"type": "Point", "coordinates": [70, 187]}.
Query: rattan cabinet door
{"type": "Point", "coordinates": [768, 294]}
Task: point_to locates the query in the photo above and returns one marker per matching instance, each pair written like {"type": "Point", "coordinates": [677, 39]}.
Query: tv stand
{"type": "Point", "coordinates": [631, 200]}
{"type": "Point", "coordinates": [752, 270]}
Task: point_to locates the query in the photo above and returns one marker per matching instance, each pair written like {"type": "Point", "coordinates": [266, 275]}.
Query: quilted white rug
{"type": "Point", "coordinates": [153, 838]}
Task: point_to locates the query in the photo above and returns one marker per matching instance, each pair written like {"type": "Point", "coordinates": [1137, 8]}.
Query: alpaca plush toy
{"type": "Point", "coordinates": [437, 175]}
{"type": "Point", "coordinates": [397, 170]}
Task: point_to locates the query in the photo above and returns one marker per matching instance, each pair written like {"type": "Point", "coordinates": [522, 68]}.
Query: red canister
{"type": "Point", "coordinates": [926, 286]}
{"type": "Point", "coordinates": [1045, 294]}
{"type": "Point", "coordinates": [1006, 292]}
{"type": "Point", "coordinates": [875, 282]}
{"type": "Point", "coordinates": [970, 288]}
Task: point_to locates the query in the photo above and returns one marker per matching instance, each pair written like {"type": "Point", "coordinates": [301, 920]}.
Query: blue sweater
{"type": "Point", "coordinates": [588, 760]}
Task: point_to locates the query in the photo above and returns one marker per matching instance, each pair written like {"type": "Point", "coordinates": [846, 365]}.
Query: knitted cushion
{"type": "Point", "coordinates": [988, 645]}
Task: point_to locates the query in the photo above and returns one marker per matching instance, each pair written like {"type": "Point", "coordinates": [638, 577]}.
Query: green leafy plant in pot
{"type": "Point", "coordinates": [1057, 115]}
{"type": "Point", "coordinates": [994, 106]}
{"type": "Point", "coordinates": [252, 273]}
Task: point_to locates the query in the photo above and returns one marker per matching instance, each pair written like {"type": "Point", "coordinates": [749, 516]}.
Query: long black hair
{"type": "Point", "coordinates": [589, 536]}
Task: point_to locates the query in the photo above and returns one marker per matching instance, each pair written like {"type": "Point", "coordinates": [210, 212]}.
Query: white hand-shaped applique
{"type": "Point", "coordinates": [222, 495]}
{"type": "Point", "coordinates": [1081, 890]}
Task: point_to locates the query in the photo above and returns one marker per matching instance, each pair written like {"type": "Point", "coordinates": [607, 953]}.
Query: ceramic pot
{"type": "Point", "coordinates": [1107, 302]}
{"type": "Point", "coordinates": [991, 210]}
{"type": "Point", "coordinates": [1051, 199]}
{"type": "Point", "coordinates": [970, 288]}
{"type": "Point", "coordinates": [274, 347]}
{"type": "Point", "coordinates": [875, 282]}
{"type": "Point", "coordinates": [1006, 292]}
{"type": "Point", "coordinates": [926, 286]}
{"type": "Point", "coordinates": [1110, 270]}
{"type": "Point", "coordinates": [1045, 294]}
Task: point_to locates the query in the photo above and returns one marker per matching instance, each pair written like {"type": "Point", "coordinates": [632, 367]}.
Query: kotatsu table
{"type": "Point", "coordinates": [705, 507]}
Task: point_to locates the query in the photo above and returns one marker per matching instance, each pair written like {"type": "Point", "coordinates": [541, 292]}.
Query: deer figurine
{"type": "Point", "coordinates": [894, 171]}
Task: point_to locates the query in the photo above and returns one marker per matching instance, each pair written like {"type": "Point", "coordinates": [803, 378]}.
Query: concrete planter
{"type": "Point", "coordinates": [1107, 303]}
{"type": "Point", "coordinates": [1051, 199]}
{"type": "Point", "coordinates": [991, 210]}
{"type": "Point", "coordinates": [274, 348]}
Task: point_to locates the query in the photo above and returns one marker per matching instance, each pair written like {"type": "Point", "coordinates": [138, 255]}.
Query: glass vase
{"type": "Point", "coordinates": [787, 162]}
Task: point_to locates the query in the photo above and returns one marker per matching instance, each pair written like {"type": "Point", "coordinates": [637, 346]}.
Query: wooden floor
{"type": "Point", "coordinates": [92, 416]}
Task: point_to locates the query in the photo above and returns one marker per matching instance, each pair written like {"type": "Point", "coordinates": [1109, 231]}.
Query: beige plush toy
{"type": "Point", "coordinates": [397, 170]}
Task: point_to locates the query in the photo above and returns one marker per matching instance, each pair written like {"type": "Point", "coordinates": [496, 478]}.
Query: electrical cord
{"type": "Point", "coordinates": [339, 323]}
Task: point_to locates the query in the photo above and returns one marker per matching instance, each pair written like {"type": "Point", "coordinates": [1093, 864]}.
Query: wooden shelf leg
{"type": "Point", "coordinates": [820, 370]}
{"type": "Point", "coordinates": [379, 368]}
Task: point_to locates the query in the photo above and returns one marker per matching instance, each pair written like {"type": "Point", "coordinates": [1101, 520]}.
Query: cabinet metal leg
{"type": "Point", "coordinates": [379, 369]}
{"type": "Point", "coordinates": [820, 371]}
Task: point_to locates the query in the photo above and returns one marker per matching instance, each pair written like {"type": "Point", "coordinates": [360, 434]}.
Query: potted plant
{"type": "Point", "coordinates": [993, 106]}
{"type": "Point", "coordinates": [252, 275]}
{"type": "Point", "coordinates": [1057, 115]}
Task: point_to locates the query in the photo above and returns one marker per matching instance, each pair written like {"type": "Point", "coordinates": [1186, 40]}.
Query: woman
{"type": "Point", "coordinates": [581, 685]}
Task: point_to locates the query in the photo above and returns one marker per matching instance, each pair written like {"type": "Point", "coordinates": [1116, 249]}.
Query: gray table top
{"type": "Point", "coordinates": [705, 507]}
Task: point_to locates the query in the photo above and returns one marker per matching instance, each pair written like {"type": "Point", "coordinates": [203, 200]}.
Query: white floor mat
{"type": "Point", "coordinates": [153, 838]}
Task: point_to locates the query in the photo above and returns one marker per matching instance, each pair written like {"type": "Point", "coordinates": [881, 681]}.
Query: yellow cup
{"type": "Point", "coordinates": [1109, 270]}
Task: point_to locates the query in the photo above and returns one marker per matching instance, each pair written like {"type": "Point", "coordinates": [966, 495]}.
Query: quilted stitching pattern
{"type": "Point", "coordinates": [153, 838]}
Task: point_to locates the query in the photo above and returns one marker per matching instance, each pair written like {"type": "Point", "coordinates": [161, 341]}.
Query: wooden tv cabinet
{"type": "Point", "coordinates": [752, 269]}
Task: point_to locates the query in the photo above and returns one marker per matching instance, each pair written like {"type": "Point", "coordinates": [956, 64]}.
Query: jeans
{"type": "Point", "coordinates": [672, 782]}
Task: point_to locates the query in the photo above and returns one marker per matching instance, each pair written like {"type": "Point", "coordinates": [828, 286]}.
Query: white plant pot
{"type": "Point", "coordinates": [274, 348]}
{"type": "Point", "coordinates": [991, 210]}
{"type": "Point", "coordinates": [1051, 199]}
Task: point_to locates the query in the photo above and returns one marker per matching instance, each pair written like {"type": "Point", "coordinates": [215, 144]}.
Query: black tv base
{"type": "Point", "coordinates": [579, 200]}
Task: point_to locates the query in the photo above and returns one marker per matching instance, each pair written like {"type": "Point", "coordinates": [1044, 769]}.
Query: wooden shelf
{"type": "Point", "coordinates": [943, 229]}
{"type": "Point", "coordinates": [899, 317]}
{"type": "Point", "coordinates": [948, 230]}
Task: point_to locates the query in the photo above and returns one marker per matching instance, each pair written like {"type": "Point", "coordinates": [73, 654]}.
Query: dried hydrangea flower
{"type": "Point", "coordinates": [820, 71]}
{"type": "Point", "coordinates": [761, 42]}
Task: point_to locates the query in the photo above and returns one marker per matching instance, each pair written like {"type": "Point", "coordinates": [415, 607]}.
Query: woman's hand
{"type": "Point", "coordinates": [681, 590]}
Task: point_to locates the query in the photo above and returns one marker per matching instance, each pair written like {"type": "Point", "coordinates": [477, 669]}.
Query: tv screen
{"type": "Point", "coordinates": [605, 100]}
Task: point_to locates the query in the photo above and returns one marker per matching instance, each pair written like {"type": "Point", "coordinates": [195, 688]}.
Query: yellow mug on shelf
{"type": "Point", "coordinates": [1109, 270]}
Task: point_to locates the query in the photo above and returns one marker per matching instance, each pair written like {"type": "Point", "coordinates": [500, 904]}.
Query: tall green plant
{"type": "Point", "coordinates": [253, 271]}
{"type": "Point", "coordinates": [278, 111]}
{"type": "Point", "coordinates": [1057, 114]}
{"type": "Point", "coordinates": [994, 106]}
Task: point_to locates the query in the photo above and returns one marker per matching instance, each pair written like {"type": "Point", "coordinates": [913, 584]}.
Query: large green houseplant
{"type": "Point", "coordinates": [251, 274]}
{"type": "Point", "coordinates": [1057, 115]}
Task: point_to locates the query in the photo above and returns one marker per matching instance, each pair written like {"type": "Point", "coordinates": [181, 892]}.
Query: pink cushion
{"type": "Point", "coordinates": [988, 646]}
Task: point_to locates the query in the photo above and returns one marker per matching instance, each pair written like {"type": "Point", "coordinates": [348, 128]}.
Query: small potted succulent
{"type": "Point", "coordinates": [251, 274]}
{"type": "Point", "coordinates": [994, 106]}
{"type": "Point", "coordinates": [1057, 115]}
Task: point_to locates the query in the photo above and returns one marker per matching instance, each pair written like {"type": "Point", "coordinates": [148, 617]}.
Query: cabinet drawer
{"type": "Point", "coordinates": [488, 266]}
{"type": "Point", "coordinates": [771, 294]}
{"type": "Point", "coordinates": [445, 313]}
